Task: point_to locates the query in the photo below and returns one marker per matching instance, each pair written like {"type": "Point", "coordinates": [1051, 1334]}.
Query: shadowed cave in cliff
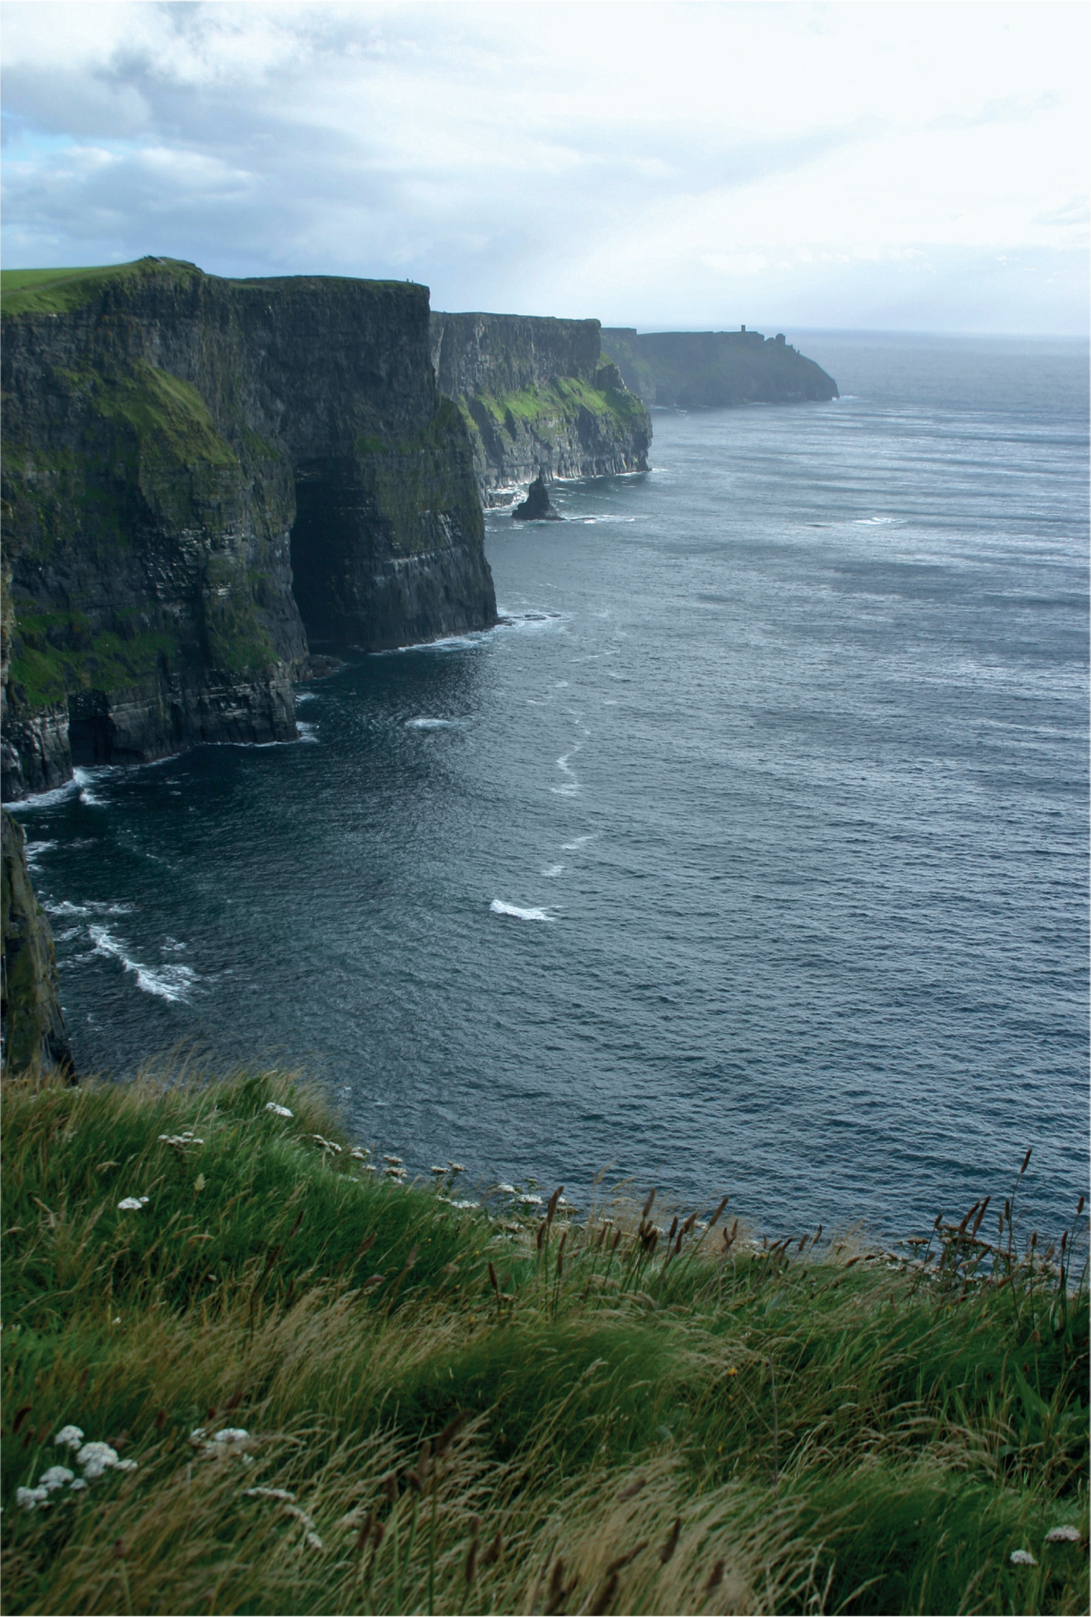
{"type": "Point", "coordinates": [325, 537]}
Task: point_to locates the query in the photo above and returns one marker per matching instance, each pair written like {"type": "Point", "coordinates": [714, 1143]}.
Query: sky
{"type": "Point", "coordinates": [881, 166]}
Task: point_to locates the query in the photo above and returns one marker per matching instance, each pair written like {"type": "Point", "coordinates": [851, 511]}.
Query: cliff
{"type": "Point", "coordinates": [703, 368]}
{"type": "Point", "coordinates": [537, 397]}
{"type": "Point", "coordinates": [204, 479]}
{"type": "Point", "coordinates": [32, 1024]}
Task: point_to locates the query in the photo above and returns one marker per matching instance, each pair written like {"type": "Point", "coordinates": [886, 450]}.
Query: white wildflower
{"type": "Point", "coordinates": [1022, 1558]}
{"type": "Point", "coordinates": [270, 1493]}
{"type": "Point", "coordinates": [31, 1498]}
{"type": "Point", "coordinates": [70, 1436]}
{"type": "Point", "coordinates": [509, 1190]}
{"type": "Point", "coordinates": [125, 1465]}
{"type": "Point", "coordinates": [464, 1206]}
{"type": "Point", "coordinates": [395, 1162]}
{"type": "Point", "coordinates": [1057, 1535]}
{"type": "Point", "coordinates": [77, 1485]}
{"type": "Point", "coordinates": [232, 1434]}
{"type": "Point", "coordinates": [95, 1458]}
{"type": "Point", "coordinates": [528, 1199]}
{"type": "Point", "coordinates": [442, 1172]}
{"type": "Point", "coordinates": [369, 1167]}
{"type": "Point", "coordinates": [361, 1153]}
{"type": "Point", "coordinates": [197, 1434]}
{"type": "Point", "coordinates": [278, 1111]}
{"type": "Point", "coordinates": [132, 1204]}
{"type": "Point", "coordinates": [313, 1542]}
{"type": "Point", "coordinates": [55, 1477]}
{"type": "Point", "coordinates": [320, 1139]}
{"type": "Point", "coordinates": [456, 1167]}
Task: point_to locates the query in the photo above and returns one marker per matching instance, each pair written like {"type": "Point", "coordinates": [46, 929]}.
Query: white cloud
{"type": "Point", "coordinates": [632, 161]}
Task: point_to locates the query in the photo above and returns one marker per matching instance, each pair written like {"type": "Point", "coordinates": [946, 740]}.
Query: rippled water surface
{"type": "Point", "coordinates": [751, 854]}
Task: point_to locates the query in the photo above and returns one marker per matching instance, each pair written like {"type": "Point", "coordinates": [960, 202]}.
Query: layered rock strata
{"type": "Point", "coordinates": [203, 479]}
{"type": "Point", "coordinates": [695, 369]}
{"type": "Point", "coordinates": [537, 397]}
{"type": "Point", "coordinates": [31, 1020]}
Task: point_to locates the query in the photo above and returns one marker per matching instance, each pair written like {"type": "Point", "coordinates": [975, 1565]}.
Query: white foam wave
{"type": "Point", "coordinates": [83, 779]}
{"type": "Point", "coordinates": [875, 522]}
{"type": "Point", "coordinates": [428, 724]}
{"type": "Point", "coordinates": [307, 731]}
{"type": "Point", "coordinates": [169, 982]}
{"type": "Point", "coordinates": [66, 907]}
{"type": "Point", "coordinates": [498, 907]}
{"type": "Point", "coordinates": [578, 842]}
{"type": "Point", "coordinates": [553, 870]}
{"type": "Point", "coordinates": [305, 696]}
{"type": "Point", "coordinates": [569, 789]}
{"type": "Point", "coordinates": [34, 850]}
{"type": "Point", "coordinates": [43, 799]}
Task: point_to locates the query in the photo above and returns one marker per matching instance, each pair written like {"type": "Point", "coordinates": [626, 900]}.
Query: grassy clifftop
{"type": "Point", "coordinates": [325, 1390]}
{"type": "Point", "coordinates": [55, 291]}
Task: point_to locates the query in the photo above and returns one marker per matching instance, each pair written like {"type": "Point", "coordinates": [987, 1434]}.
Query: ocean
{"type": "Point", "coordinates": [749, 855]}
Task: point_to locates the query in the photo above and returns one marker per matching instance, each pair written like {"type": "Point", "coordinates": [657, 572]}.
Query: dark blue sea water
{"type": "Point", "coordinates": [750, 856]}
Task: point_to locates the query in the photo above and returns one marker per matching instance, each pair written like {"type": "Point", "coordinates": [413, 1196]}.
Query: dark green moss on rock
{"type": "Point", "coordinates": [31, 1019]}
{"type": "Point", "coordinates": [536, 397]}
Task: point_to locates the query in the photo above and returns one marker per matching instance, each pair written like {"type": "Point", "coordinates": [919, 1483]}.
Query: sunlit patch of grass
{"type": "Point", "coordinates": [325, 1389]}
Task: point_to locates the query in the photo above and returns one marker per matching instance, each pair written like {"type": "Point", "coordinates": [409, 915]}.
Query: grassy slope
{"type": "Point", "coordinates": [725, 1429]}
{"type": "Point", "coordinates": [54, 291]}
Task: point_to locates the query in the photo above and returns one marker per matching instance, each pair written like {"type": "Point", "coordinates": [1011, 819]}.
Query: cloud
{"type": "Point", "coordinates": [614, 158]}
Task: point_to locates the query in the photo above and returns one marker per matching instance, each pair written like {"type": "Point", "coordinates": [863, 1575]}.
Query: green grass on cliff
{"type": "Point", "coordinates": [559, 400]}
{"type": "Point", "coordinates": [437, 1407]}
{"type": "Point", "coordinates": [55, 291]}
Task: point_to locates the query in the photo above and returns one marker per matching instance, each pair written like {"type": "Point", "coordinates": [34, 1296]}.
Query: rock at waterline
{"type": "Point", "coordinates": [32, 1022]}
{"type": "Point", "coordinates": [536, 506]}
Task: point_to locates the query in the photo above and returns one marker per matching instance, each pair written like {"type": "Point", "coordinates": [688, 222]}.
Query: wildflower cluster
{"type": "Point", "coordinates": [278, 1111]}
{"type": "Point", "coordinates": [94, 1459]}
{"type": "Point", "coordinates": [181, 1141]}
{"type": "Point", "coordinates": [132, 1204]}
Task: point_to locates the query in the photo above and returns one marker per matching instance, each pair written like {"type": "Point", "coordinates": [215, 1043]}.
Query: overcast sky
{"type": "Point", "coordinates": [918, 167]}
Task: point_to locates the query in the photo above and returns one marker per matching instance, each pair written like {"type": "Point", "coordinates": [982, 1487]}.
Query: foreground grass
{"type": "Point", "coordinates": [439, 1409]}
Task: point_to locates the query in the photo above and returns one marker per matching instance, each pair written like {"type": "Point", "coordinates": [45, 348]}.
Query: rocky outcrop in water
{"type": "Point", "coordinates": [536, 395]}
{"type": "Point", "coordinates": [537, 506]}
{"type": "Point", "coordinates": [695, 369]}
{"type": "Point", "coordinates": [31, 1021]}
{"type": "Point", "coordinates": [203, 479]}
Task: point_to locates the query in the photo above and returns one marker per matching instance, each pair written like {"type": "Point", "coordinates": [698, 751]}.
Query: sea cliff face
{"type": "Point", "coordinates": [204, 479]}
{"type": "Point", "coordinates": [694, 369]}
{"type": "Point", "coordinates": [537, 398]}
{"type": "Point", "coordinates": [31, 1021]}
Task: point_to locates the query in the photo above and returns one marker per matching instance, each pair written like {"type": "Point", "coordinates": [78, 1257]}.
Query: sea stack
{"type": "Point", "coordinates": [536, 506]}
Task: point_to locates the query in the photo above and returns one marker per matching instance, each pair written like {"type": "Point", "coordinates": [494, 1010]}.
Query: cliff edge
{"type": "Point", "coordinates": [204, 479]}
{"type": "Point", "coordinates": [537, 397]}
{"type": "Point", "coordinates": [31, 1021]}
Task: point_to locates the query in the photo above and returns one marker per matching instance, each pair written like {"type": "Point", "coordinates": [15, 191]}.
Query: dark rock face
{"type": "Point", "coordinates": [695, 369]}
{"type": "Point", "coordinates": [535, 394]}
{"type": "Point", "coordinates": [536, 507]}
{"type": "Point", "coordinates": [32, 1022]}
{"type": "Point", "coordinates": [200, 477]}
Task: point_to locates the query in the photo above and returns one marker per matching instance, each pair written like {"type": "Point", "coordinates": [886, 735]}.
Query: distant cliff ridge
{"type": "Point", "coordinates": [692, 369]}
{"type": "Point", "coordinates": [203, 479]}
{"type": "Point", "coordinates": [537, 397]}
